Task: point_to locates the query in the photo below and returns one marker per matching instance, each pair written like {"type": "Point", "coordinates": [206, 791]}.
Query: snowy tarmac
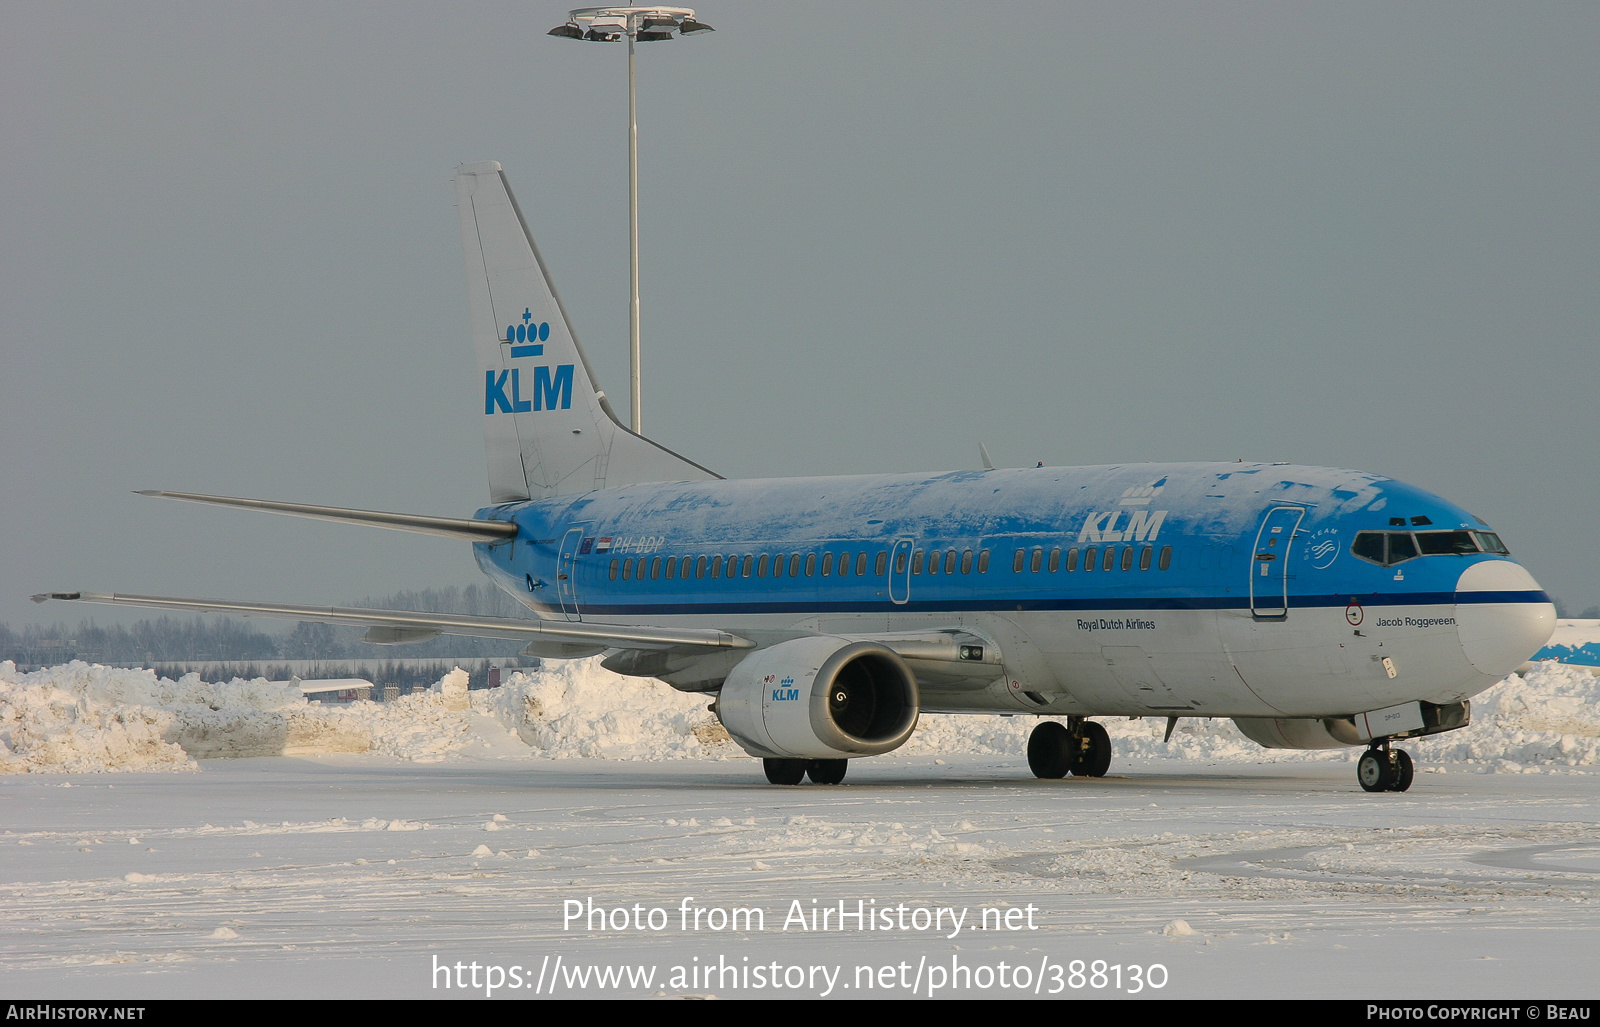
{"type": "Point", "coordinates": [349, 876]}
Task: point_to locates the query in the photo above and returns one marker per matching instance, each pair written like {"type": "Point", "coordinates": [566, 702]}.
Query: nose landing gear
{"type": "Point", "coordinates": [1080, 747]}
{"type": "Point", "coordinates": [1382, 769]}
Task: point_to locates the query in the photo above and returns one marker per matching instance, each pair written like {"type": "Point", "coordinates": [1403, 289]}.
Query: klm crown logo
{"type": "Point", "coordinates": [527, 331]}
{"type": "Point", "coordinates": [552, 387]}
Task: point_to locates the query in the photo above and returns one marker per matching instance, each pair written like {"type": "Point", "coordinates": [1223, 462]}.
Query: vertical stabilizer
{"type": "Point", "coordinates": [547, 429]}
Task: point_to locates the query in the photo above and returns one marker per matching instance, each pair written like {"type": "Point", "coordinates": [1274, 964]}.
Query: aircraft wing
{"type": "Point", "coordinates": [388, 627]}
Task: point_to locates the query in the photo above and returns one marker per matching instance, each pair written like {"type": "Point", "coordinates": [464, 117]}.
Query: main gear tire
{"type": "Point", "coordinates": [827, 772]}
{"type": "Point", "coordinates": [1093, 757]}
{"type": "Point", "coordinates": [784, 772]}
{"type": "Point", "coordinates": [1050, 750]}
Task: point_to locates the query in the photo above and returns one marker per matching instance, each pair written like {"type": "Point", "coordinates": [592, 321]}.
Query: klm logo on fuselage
{"type": "Point", "coordinates": [552, 387]}
{"type": "Point", "coordinates": [1127, 523]}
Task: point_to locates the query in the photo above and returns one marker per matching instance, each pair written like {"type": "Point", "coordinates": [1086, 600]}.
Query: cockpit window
{"type": "Point", "coordinates": [1491, 543]}
{"type": "Point", "coordinates": [1385, 548]}
{"type": "Point", "coordinates": [1446, 543]}
{"type": "Point", "coordinates": [1388, 548]}
{"type": "Point", "coordinates": [1369, 545]}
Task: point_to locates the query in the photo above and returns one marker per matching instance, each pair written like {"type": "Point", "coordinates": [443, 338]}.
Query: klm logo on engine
{"type": "Point", "coordinates": [551, 388]}
{"type": "Point", "coordinates": [785, 690]}
{"type": "Point", "coordinates": [1127, 523]}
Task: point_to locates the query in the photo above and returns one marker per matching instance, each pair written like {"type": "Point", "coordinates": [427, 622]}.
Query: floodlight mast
{"type": "Point", "coordinates": [644, 25]}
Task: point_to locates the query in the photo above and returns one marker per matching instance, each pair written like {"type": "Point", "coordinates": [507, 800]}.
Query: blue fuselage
{"type": "Point", "coordinates": [1193, 566]}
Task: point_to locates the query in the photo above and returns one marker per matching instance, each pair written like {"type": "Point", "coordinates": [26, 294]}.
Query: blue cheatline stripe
{"type": "Point", "coordinates": [1154, 604]}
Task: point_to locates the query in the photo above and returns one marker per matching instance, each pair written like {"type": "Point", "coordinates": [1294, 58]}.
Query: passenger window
{"type": "Point", "coordinates": [777, 566]}
{"type": "Point", "coordinates": [966, 561]}
{"type": "Point", "coordinates": [1166, 557]}
{"type": "Point", "coordinates": [881, 565]}
{"type": "Point", "coordinates": [983, 561]}
{"type": "Point", "coordinates": [627, 569]}
{"type": "Point", "coordinates": [1016, 561]}
{"type": "Point", "coordinates": [761, 566]}
{"type": "Point", "coordinates": [1088, 558]}
{"type": "Point", "coordinates": [1127, 558]}
{"type": "Point", "coordinates": [844, 564]}
{"type": "Point", "coordinates": [655, 568]}
{"type": "Point", "coordinates": [827, 564]}
{"type": "Point", "coordinates": [1110, 558]}
{"type": "Point", "coordinates": [1401, 547]}
{"type": "Point", "coordinates": [700, 567]}
{"type": "Point", "coordinates": [716, 566]}
{"type": "Point", "coordinates": [900, 562]}
{"type": "Point", "coordinates": [1144, 558]}
{"type": "Point", "coordinates": [933, 561]}
{"type": "Point", "coordinates": [811, 565]}
{"type": "Point", "coordinates": [685, 566]}
{"type": "Point", "coordinates": [916, 562]}
{"type": "Point", "coordinates": [614, 569]}
{"type": "Point", "coordinates": [744, 571]}
{"type": "Point", "coordinates": [1368, 546]}
{"type": "Point", "coordinates": [1055, 560]}
{"type": "Point", "coordinates": [949, 561]}
{"type": "Point", "coordinates": [861, 564]}
{"type": "Point", "coordinates": [794, 565]}
{"type": "Point", "coordinates": [1072, 560]}
{"type": "Point", "coordinates": [672, 567]}
{"type": "Point", "coordinates": [1037, 561]}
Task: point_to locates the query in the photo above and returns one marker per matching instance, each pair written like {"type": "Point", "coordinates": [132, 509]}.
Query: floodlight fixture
{"type": "Point", "coordinates": [647, 24]}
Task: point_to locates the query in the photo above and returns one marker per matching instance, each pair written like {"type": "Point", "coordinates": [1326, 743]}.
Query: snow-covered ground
{"type": "Point", "coordinates": [349, 851]}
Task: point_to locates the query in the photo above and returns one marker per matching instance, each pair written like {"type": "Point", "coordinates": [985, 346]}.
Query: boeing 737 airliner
{"type": "Point", "coordinates": [1315, 607]}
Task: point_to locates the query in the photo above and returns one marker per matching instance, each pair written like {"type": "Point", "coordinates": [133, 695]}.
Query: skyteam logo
{"type": "Point", "coordinates": [1128, 523]}
{"type": "Point", "coordinates": [552, 388]}
{"type": "Point", "coordinates": [527, 331]}
{"type": "Point", "coordinates": [1322, 548]}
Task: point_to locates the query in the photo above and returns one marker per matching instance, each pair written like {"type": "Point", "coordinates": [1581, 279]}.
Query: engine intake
{"type": "Point", "coordinates": [820, 698]}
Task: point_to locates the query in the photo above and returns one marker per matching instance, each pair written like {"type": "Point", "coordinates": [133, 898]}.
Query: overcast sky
{"type": "Point", "coordinates": [1355, 234]}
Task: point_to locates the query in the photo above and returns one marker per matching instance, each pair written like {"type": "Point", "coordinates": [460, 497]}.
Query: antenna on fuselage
{"type": "Point", "coordinates": [988, 464]}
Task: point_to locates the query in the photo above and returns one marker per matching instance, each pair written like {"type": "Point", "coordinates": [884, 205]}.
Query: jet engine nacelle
{"type": "Point", "coordinates": [820, 698]}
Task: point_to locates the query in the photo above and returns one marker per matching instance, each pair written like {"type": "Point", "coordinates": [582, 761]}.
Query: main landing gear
{"type": "Point", "coordinates": [1079, 747]}
{"type": "Point", "coordinates": [790, 772]}
{"type": "Point", "coordinates": [1382, 769]}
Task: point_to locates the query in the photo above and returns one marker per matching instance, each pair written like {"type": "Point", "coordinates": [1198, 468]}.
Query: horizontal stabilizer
{"type": "Point", "coordinates": [446, 527]}
{"type": "Point", "coordinates": [404, 621]}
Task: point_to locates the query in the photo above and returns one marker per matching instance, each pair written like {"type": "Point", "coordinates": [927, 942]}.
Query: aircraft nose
{"type": "Point", "coordinates": [1501, 616]}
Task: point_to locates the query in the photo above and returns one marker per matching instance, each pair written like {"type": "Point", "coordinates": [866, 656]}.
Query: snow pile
{"type": "Point", "coordinates": [80, 718]}
{"type": "Point", "coordinates": [74, 719]}
{"type": "Point", "coordinates": [1550, 716]}
{"type": "Point", "coordinates": [578, 708]}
